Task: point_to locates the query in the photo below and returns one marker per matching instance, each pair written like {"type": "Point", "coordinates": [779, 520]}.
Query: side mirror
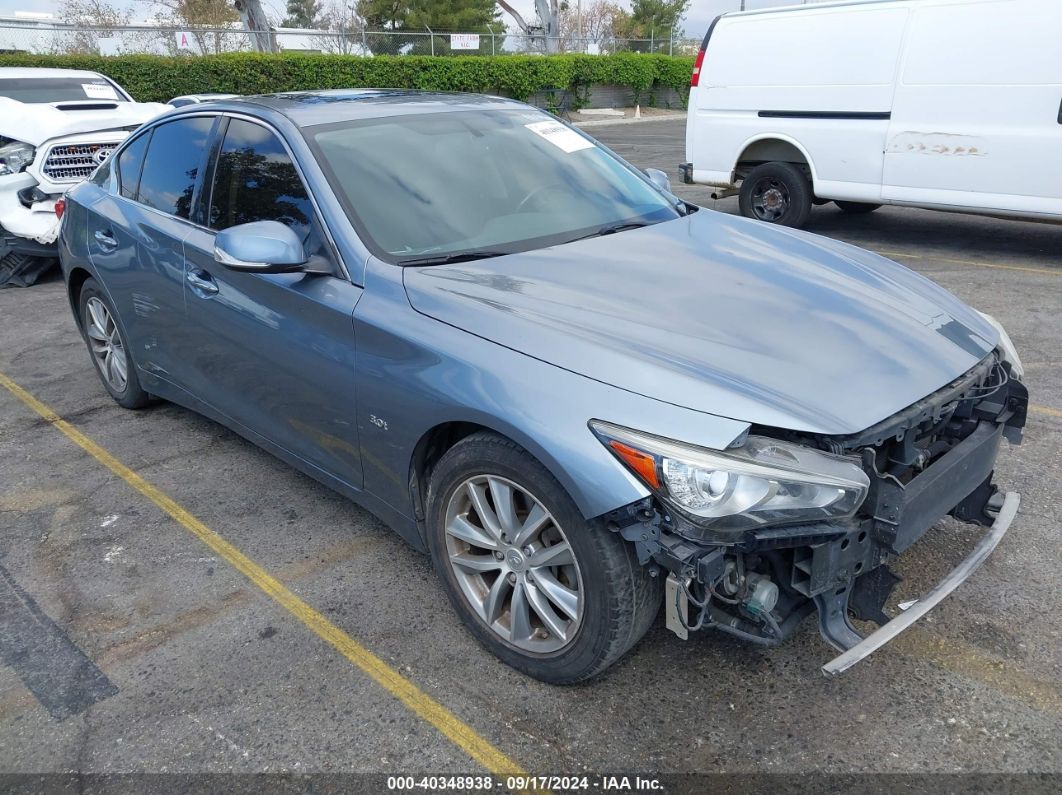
{"type": "Point", "coordinates": [261, 246]}
{"type": "Point", "coordinates": [658, 178]}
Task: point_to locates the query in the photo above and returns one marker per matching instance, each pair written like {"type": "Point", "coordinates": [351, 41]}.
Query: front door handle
{"type": "Point", "coordinates": [106, 240]}
{"type": "Point", "coordinates": [202, 283]}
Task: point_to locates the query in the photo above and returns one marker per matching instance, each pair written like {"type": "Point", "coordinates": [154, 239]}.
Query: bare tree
{"type": "Point", "coordinates": [345, 30]}
{"type": "Point", "coordinates": [548, 28]}
{"type": "Point", "coordinates": [90, 20]}
{"type": "Point", "coordinates": [206, 20]}
{"type": "Point", "coordinates": [595, 23]}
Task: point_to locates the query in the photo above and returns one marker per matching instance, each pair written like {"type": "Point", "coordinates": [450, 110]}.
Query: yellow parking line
{"type": "Point", "coordinates": [968, 661]}
{"type": "Point", "coordinates": [420, 703]}
{"type": "Point", "coordinates": [1045, 410]}
{"type": "Point", "coordinates": [996, 266]}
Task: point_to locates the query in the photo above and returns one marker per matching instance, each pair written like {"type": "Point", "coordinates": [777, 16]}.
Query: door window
{"type": "Point", "coordinates": [255, 180]}
{"type": "Point", "coordinates": [172, 164]}
{"type": "Point", "coordinates": [129, 164]}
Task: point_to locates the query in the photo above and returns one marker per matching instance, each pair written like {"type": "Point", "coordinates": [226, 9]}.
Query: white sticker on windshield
{"type": "Point", "coordinates": [560, 136]}
{"type": "Point", "coordinates": [99, 91]}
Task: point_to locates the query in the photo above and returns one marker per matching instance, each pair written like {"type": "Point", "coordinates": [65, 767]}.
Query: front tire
{"type": "Point", "coordinates": [777, 193]}
{"type": "Point", "coordinates": [549, 593]}
{"type": "Point", "coordinates": [108, 347]}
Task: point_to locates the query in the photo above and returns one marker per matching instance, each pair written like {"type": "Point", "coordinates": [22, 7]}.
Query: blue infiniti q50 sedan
{"type": "Point", "coordinates": [584, 397]}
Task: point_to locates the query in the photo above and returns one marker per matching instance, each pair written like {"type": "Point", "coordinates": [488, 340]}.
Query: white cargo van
{"type": "Point", "coordinates": [947, 104]}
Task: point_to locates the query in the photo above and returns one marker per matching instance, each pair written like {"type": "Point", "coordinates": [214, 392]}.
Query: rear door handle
{"type": "Point", "coordinates": [202, 283]}
{"type": "Point", "coordinates": [106, 240]}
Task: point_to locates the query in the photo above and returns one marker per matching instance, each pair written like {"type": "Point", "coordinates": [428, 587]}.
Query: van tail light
{"type": "Point", "coordinates": [695, 78]}
{"type": "Point", "coordinates": [60, 207]}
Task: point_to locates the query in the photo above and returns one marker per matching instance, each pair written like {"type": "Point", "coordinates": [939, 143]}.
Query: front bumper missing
{"type": "Point", "coordinates": [874, 641]}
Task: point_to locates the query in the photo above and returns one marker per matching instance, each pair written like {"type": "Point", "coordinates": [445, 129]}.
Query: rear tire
{"type": "Point", "coordinates": [488, 565]}
{"type": "Point", "coordinates": [856, 208]}
{"type": "Point", "coordinates": [777, 193]}
{"type": "Point", "coordinates": [109, 348]}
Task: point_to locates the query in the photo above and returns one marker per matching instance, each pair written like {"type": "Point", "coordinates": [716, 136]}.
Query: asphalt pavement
{"type": "Point", "coordinates": [132, 640]}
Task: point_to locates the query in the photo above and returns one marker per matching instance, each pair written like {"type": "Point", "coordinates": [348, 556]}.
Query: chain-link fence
{"type": "Point", "coordinates": [57, 38]}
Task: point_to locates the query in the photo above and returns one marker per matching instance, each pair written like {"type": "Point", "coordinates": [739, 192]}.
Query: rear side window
{"type": "Point", "coordinates": [172, 164]}
{"type": "Point", "coordinates": [129, 163]}
{"type": "Point", "coordinates": [255, 180]}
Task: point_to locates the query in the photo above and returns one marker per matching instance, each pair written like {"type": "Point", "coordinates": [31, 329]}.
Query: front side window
{"type": "Point", "coordinates": [255, 180]}
{"type": "Point", "coordinates": [172, 165]}
{"type": "Point", "coordinates": [129, 162]}
{"type": "Point", "coordinates": [497, 181]}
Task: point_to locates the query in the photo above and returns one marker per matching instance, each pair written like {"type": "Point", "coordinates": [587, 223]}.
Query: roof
{"type": "Point", "coordinates": [30, 72]}
{"type": "Point", "coordinates": [309, 108]}
{"type": "Point", "coordinates": [810, 7]}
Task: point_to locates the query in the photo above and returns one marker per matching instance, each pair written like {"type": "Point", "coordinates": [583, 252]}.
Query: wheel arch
{"type": "Point", "coordinates": [769, 147]}
{"type": "Point", "coordinates": [435, 442]}
{"type": "Point", "coordinates": [75, 281]}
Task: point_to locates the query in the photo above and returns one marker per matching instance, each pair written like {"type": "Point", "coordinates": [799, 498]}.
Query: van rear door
{"type": "Point", "coordinates": [977, 118]}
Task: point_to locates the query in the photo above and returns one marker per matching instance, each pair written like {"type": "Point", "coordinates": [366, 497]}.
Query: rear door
{"type": "Point", "coordinates": [273, 352]}
{"type": "Point", "coordinates": [136, 233]}
{"type": "Point", "coordinates": [977, 119]}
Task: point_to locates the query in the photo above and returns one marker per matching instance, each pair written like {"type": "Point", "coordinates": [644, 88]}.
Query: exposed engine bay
{"type": "Point", "coordinates": [933, 459]}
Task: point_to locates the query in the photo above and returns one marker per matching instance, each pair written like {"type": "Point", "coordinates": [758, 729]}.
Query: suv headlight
{"type": "Point", "coordinates": [1010, 353]}
{"type": "Point", "coordinates": [762, 482]}
{"type": "Point", "coordinates": [14, 157]}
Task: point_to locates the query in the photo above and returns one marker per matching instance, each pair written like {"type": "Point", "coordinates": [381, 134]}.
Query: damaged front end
{"type": "Point", "coordinates": [32, 180]}
{"type": "Point", "coordinates": [45, 149]}
{"type": "Point", "coordinates": [755, 538]}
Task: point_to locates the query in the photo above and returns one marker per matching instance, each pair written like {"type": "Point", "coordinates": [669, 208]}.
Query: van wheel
{"type": "Point", "coordinates": [777, 193]}
{"type": "Point", "coordinates": [857, 208]}
{"type": "Point", "coordinates": [550, 593]}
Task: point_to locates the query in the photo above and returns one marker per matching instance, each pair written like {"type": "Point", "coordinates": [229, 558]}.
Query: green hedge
{"type": "Point", "coordinates": [156, 78]}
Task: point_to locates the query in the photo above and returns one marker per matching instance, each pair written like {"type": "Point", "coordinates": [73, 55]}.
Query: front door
{"type": "Point", "coordinates": [273, 352]}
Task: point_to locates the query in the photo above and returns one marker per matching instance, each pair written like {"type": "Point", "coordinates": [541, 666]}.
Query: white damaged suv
{"type": "Point", "coordinates": [56, 127]}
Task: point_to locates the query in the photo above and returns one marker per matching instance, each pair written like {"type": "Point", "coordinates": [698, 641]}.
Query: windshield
{"type": "Point", "coordinates": [58, 89]}
{"type": "Point", "coordinates": [493, 182]}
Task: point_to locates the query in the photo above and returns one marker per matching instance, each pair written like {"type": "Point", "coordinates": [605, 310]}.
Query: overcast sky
{"type": "Point", "coordinates": [701, 12]}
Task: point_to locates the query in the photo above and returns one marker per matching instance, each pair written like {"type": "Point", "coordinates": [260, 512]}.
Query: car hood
{"type": "Point", "coordinates": [35, 123]}
{"type": "Point", "coordinates": [721, 315]}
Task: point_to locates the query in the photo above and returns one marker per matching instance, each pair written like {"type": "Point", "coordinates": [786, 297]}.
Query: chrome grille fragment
{"type": "Point", "coordinates": [74, 162]}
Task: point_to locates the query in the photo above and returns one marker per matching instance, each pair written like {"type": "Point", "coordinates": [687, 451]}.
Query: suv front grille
{"type": "Point", "coordinates": [74, 162]}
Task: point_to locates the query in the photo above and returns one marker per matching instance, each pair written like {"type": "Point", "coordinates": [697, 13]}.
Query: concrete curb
{"type": "Point", "coordinates": [602, 122]}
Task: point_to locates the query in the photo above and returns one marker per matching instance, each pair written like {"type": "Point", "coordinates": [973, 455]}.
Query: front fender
{"type": "Point", "coordinates": [415, 373]}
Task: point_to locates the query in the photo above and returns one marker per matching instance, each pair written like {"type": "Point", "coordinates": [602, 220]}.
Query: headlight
{"type": "Point", "coordinates": [14, 157]}
{"type": "Point", "coordinates": [763, 482]}
{"type": "Point", "coordinates": [1010, 353]}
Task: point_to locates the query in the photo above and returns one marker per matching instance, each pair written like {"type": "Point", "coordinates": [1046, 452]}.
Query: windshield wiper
{"type": "Point", "coordinates": [611, 229]}
{"type": "Point", "coordinates": [460, 256]}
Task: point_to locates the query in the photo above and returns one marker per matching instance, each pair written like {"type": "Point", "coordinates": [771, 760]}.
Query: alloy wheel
{"type": "Point", "coordinates": [514, 564]}
{"type": "Point", "coordinates": [106, 344]}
